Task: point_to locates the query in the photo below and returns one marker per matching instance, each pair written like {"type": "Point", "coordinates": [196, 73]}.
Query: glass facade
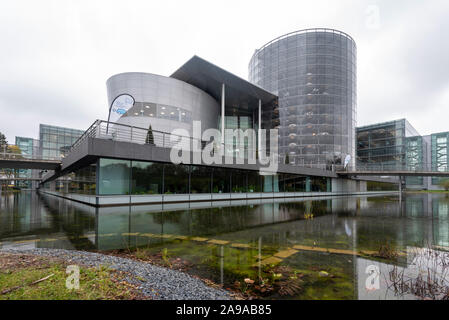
{"type": "Point", "coordinates": [415, 158]}
{"type": "Point", "coordinates": [29, 147]}
{"type": "Point", "coordinates": [384, 144]}
{"type": "Point", "coordinates": [146, 178]}
{"type": "Point", "coordinates": [56, 141]}
{"type": "Point", "coordinates": [159, 111]}
{"type": "Point", "coordinates": [200, 179]}
{"type": "Point", "coordinates": [114, 176]}
{"type": "Point", "coordinates": [124, 177]}
{"type": "Point", "coordinates": [314, 74]}
{"type": "Point", "coordinates": [238, 119]}
{"type": "Point", "coordinates": [439, 154]}
{"type": "Point", "coordinates": [245, 116]}
{"type": "Point", "coordinates": [176, 179]}
{"type": "Point", "coordinates": [393, 145]}
{"type": "Point", "coordinates": [82, 181]}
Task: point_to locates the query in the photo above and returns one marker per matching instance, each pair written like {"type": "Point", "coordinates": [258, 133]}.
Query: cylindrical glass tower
{"type": "Point", "coordinates": [313, 72]}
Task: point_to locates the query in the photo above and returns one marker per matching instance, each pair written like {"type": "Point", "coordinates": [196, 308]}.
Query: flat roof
{"type": "Point", "coordinates": [380, 124]}
{"type": "Point", "coordinates": [209, 78]}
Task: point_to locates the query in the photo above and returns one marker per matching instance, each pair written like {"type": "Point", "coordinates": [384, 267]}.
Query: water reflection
{"type": "Point", "coordinates": [230, 240]}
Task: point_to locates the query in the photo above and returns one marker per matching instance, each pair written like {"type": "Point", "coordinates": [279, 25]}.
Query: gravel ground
{"type": "Point", "coordinates": [154, 282]}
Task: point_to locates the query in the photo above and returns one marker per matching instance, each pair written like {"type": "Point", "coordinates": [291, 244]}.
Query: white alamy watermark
{"type": "Point", "coordinates": [372, 20]}
{"type": "Point", "coordinates": [236, 147]}
{"type": "Point", "coordinates": [72, 282]}
{"type": "Point", "coordinates": [372, 282]}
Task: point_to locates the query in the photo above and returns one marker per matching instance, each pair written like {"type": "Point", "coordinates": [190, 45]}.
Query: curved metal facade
{"type": "Point", "coordinates": [165, 103]}
{"type": "Point", "coordinates": [313, 72]}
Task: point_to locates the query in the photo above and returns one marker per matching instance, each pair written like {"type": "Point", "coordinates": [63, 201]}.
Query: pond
{"type": "Point", "coordinates": [317, 248]}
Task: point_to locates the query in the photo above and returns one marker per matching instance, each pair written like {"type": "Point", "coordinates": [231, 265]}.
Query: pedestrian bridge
{"type": "Point", "coordinates": [395, 171]}
{"type": "Point", "coordinates": [20, 161]}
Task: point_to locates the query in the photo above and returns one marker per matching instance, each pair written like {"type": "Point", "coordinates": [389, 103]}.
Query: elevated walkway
{"type": "Point", "coordinates": [19, 161]}
{"type": "Point", "coordinates": [398, 173]}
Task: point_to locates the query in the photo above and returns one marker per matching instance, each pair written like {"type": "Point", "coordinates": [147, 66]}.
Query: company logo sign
{"type": "Point", "coordinates": [119, 111]}
{"type": "Point", "coordinates": [120, 106]}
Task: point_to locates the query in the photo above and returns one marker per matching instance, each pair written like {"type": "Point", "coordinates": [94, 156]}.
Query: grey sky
{"type": "Point", "coordinates": [55, 56]}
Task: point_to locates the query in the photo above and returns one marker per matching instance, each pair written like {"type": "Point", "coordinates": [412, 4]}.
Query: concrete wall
{"type": "Point", "coordinates": [184, 200]}
{"type": "Point", "coordinates": [346, 185]}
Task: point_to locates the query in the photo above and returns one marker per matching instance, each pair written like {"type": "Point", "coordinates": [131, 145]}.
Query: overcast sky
{"type": "Point", "coordinates": [55, 56]}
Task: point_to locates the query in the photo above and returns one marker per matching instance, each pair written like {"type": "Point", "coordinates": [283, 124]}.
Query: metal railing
{"type": "Point", "coordinates": [122, 132]}
{"type": "Point", "coordinates": [102, 129]}
{"type": "Point", "coordinates": [400, 168]}
{"type": "Point", "coordinates": [18, 156]}
{"type": "Point", "coordinates": [304, 31]}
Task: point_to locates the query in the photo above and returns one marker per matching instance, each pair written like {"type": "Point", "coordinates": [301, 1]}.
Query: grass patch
{"type": "Point", "coordinates": [20, 272]}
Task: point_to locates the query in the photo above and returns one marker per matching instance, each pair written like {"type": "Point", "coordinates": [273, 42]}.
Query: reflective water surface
{"type": "Point", "coordinates": [325, 248]}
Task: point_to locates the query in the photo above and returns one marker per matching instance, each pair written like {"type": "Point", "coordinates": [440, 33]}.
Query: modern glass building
{"type": "Point", "coordinates": [385, 145]}
{"type": "Point", "coordinates": [396, 144]}
{"type": "Point", "coordinates": [56, 141]}
{"type": "Point", "coordinates": [197, 91]}
{"type": "Point", "coordinates": [124, 162]}
{"type": "Point", "coordinates": [128, 177]}
{"type": "Point", "coordinates": [313, 72]}
{"type": "Point", "coordinates": [29, 147]}
{"type": "Point", "coordinates": [439, 154]}
{"type": "Point", "coordinates": [415, 158]}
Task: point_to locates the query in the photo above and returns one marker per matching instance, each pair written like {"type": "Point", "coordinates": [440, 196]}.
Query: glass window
{"type": "Point", "coordinates": [176, 179]}
{"type": "Point", "coordinates": [114, 176]}
{"type": "Point", "coordinates": [82, 181]}
{"type": "Point", "coordinates": [221, 180]}
{"type": "Point", "coordinates": [254, 182]}
{"type": "Point", "coordinates": [289, 182]}
{"type": "Point", "coordinates": [146, 178]}
{"type": "Point", "coordinates": [186, 116]}
{"type": "Point", "coordinates": [318, 184]}
{"type": "Point", "coordinates": [200, 179]}
{"type": "Point", "coordinates": [163, 112]}
{"type": "Point", "coordinates": [267, 182]}
{"type": "Point", "coordinates": [173, 113]}
{"type": "Point", "coordinates": [277, 184]}
{"type": "Point", "coordinates": [238, 180]}
{"type": "Point", "coordinates": [300, 184]}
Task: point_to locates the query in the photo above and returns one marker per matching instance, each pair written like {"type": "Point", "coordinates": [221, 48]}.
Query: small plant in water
{"type": "Point", "coordinates": [141, 254]}
{"type": "Point", "coordinates": [165, 256]}
{"type": "Point", "coordinates": [426, 277]}
{"type": "Point", "coordinates": [275, 276]}
{"type": "Point", "coordinates": [386, 252]}
{"type": "Point", "coordinates": [308, 216]}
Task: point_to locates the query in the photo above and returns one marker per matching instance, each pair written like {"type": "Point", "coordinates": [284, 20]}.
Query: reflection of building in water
{"type": "Point", "coordinates": [352, 222]}
{"type": "Point", "coordinates": [22, 214]}
{"type": "Point", "coordinates": [440, 225]}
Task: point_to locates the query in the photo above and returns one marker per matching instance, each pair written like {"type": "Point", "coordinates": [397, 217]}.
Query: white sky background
{"type": "Point", "coordinates": [55, 56]}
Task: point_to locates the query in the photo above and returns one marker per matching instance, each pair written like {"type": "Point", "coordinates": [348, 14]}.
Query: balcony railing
{"type": "Point", "coordinates": [401, 168]}
{"type": "Point", "coordinates": [101, 129]}
{"type": "Point", "coordinates": [6, 155]}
